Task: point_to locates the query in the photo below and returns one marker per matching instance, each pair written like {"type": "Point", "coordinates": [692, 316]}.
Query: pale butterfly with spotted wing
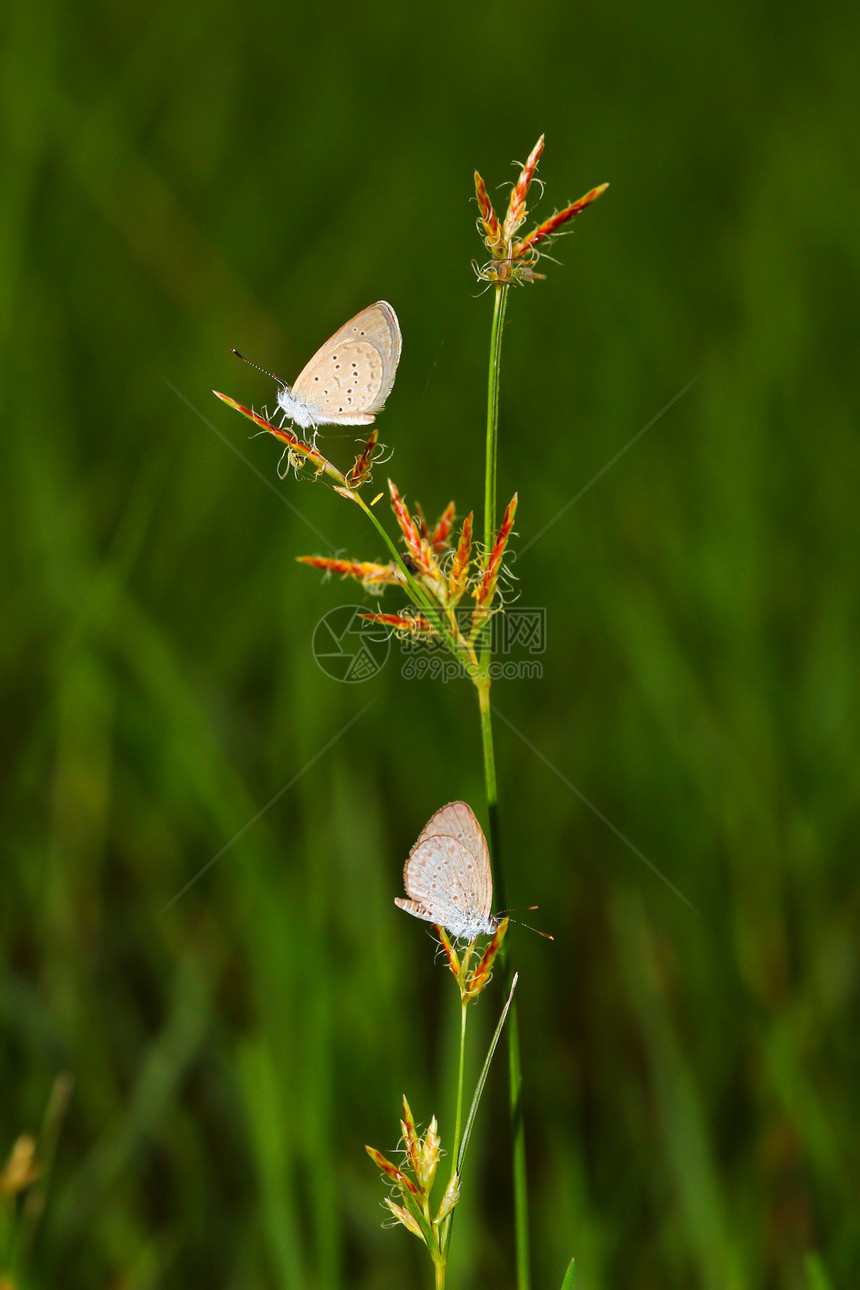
{"type": "Point", "coordinates": [348, 380]}
{"type": "Point", "coordinates": [448, 878]}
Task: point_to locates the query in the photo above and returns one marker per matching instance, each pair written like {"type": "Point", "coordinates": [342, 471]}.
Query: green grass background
{"type": "Point", "coordinates": [179, 179]}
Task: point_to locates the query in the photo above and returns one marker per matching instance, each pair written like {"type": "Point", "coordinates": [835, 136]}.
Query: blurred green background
{"type": "Point", "coordinates": [177, 180]}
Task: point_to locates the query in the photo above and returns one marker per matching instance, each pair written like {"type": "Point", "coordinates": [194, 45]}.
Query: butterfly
{"type": "Point", "coordinates": [448, 877]}
{"type": "Point", "coordinates": [348, 380]}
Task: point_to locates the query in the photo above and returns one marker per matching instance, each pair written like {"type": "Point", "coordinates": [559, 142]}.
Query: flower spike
{"type": "Point", "coordinates": [551, 226]}
{"type": "Point", "coordinates": [460, 564]}
{"type": "Point", "coordinates": [409, 624]}
{"type": "Point", "coordinates": [360, 473]}
{"type": "Point", "coordinates": [482, 974]}
{"type": "Point", "coordinates": [450, 952]}
{"type": "Point", "coordinates": [408, 527]}
{"type": "Point", "coordinates": [486, 589]}
{"type": "Point", "coordinates": [395, 1174]}
{"type": "Point", "coordinates": [439, 540]}
{"type": "Point", "coordinates": [374, 577]}
{"type": "Point", "coordinates": [403, 1216]}
{"type": "Point", "coordinates": [514, 261]}
{"type": "Point", "coordinates": [517, 206]}
{"type": "Point", "coordinates": [422, 1156]}
{"type": "Point", "coordinates": [489, 219]}
{"type": "Point", "coordinates": [301, 450]}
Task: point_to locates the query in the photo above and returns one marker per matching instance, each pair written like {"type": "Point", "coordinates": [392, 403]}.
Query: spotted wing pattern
{"type": "Point", "coordinates": [348, 380]}
{"type": "Point", "coordinates": [447, 876]}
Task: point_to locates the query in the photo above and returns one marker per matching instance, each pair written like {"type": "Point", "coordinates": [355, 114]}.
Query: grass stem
{"type": "Point", "coordinates": [521, 1212]}
{"type": "Point", "coordinates": [499, 304]}
{"type": "Point", "coordinates": [458, 1124]}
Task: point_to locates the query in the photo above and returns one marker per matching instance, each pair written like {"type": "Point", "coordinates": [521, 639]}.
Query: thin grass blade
{"type": "Point", "coordinates": [482, 1079]}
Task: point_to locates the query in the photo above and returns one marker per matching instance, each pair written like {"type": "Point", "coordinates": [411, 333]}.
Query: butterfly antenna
{"type": "Point", "coordinates": [503, 913]}
{"type": "Point", "coordinates": [264, 370]}
{"type": "Point", "coordinates": [546, 935]}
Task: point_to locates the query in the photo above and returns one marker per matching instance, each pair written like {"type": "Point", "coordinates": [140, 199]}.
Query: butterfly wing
{"type": "Point", "coordinates": [447, 876]}
{"type": "Point", "coordinates": [457, 820]}
{"type": "Point", "coordinates": [348, 380]}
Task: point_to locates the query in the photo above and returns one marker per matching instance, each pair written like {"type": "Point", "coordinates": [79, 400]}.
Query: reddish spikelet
{"type": "Point", "coordinates": [460, 566]}
{"type": "Point", "coordinates": [415, 535]}
{"type": "Point", "coordinates": [403, 1216]}
{"type": "Point", "coordinates": [517, 205]}
{"type": "Point", "coordinates": [407, 1124]}
{"type": "Point", "coordinates": [298, 446]}
{"type": "Point", "coordinates": [554, 223]}
{"type": "Point", "coordinates": [430, 1155]}
{"type": "Point", "coordinates": [483, 973]}
{"type": "Point", "coordinates": [423, 1152]}
{"type": "Point", "coordinates": [414, 625]}
{"type": "Point", "coordinates": [439, 539]}
{"type": "Point", "coordinates": [489, 218]}
{"type": "Point", "coordinates": [486, 590]}
{"type": "Point", "coordinates": [397, 1175]}
{"type": "Point", "coordinates": [450, 952]}
{"type": "Point", "coordinates": [410, 1134]}
{"type": "Point", "coordinates": [407, 525]}
{"type": "Point", "coordinates": [372, 575]}
{"type": "Point", "coordinates": [435, 581]}
{"type": "Point", "coordinates": [420, 522]}
{"type": "Point", "coordinates": [360, 472]}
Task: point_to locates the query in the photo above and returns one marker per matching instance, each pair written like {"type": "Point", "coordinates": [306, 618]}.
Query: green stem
{"type": "Point", "coordinates": [521, 1204]}
{"type": "Point", "coordinates": [490, 786]}
{"type": "Point", "coordinates": [458, 1126]}
{"type": "Point", "coordinates": [461, 1072]}
{"type": "Point", "coordinates": [518, 1135]}
{"type": "Point", "coordinates": [515, 1077]}
{"type": "Point", "coordinates": [499, 303]}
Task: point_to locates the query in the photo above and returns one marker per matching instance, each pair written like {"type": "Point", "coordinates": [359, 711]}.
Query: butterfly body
{"type": "Point", "coordinates": [348, 380]}
{"type": "Point", "coordinates": [462, 929]}
{"type": "Point", "coordinates": [294, 410]}
{"type": "Point", "coordinates": [448, 877]}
